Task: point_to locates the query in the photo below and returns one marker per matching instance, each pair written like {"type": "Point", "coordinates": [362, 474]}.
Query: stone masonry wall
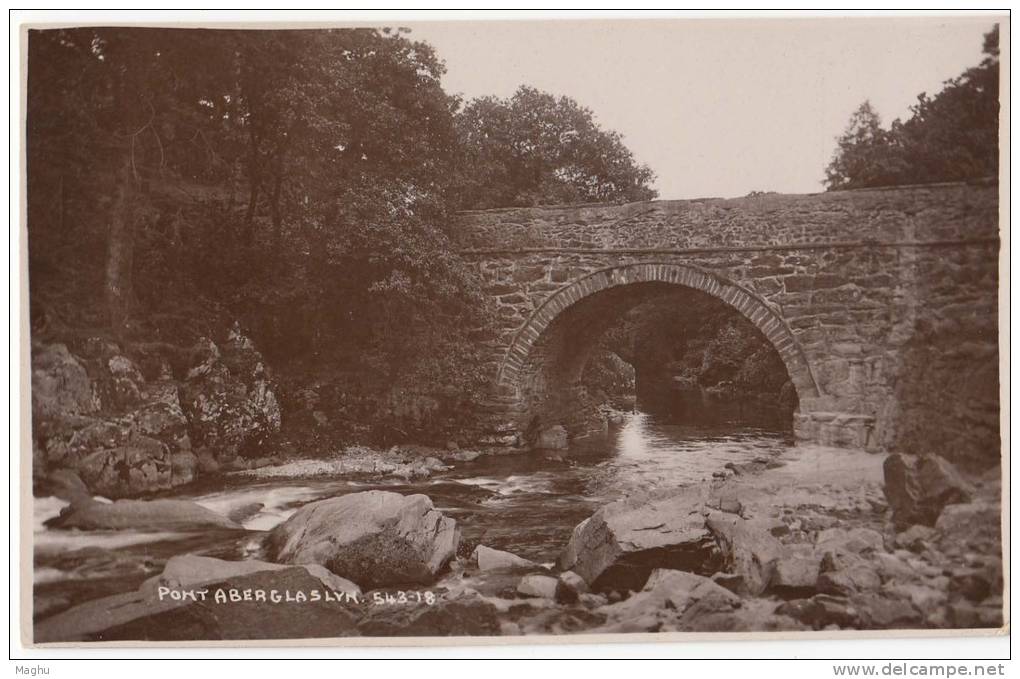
{"type": "Point", "coordinates": [890, 295]}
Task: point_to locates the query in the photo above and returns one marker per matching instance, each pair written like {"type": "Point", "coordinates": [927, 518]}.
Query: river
{"type": "Point", "coordinates": [526, 503]}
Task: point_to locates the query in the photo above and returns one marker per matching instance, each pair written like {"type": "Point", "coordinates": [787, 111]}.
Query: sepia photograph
{"type": "Point", "coordinates": [514, 330]}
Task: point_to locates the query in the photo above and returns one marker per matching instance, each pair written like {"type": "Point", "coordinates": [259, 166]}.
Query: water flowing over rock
{"type": "Point", "coordinates": [374, 538]}
{"type": "Point", "coordinates": [623, 542]}
{"type": "Point", "coordinates": [145, 515]}
{"type": "Point", "coordinates": [919, 487]}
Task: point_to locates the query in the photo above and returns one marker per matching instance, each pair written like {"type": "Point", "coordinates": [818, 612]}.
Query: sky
{"type": "Point", "coordinates": [717, 108]}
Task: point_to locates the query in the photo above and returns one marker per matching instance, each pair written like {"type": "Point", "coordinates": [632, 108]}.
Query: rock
{"type": "Point", "coordinates": [66, 485]}
{"type": "Point", "coordinates": [844, 574]}
{"type": "Point", "coordinates": [465, 455]}
{"type": "Point", "coordinates": [573, 582]}
{"type": "Point", "coordinates": [885, 611]}
{"type": "Point", "coordinates": [927, 600]}
{"type": "Point", "coordinates": [141, 464]}
{"type": "Point", "coordinates": [552, 438]}
{"type": "Point", "coordinates": [892, 567]}
{"type": "Point", "coordinates": [452, 446]}
{"type": "Point", "coordinates": [229, 398]}
{"type": "Point", "coordinates": [182, 468]}
{"type": "Point", "coordinates": [731, 581]}
{"type": "Point", "coordinates": [541, 586]}
{"type": "Point", "coordinates": [60, 384]}
{"type": "Point", "coordinates": [464, 615]}
{"type": "Point", "coordinates": [374, 538]}
{"type": "Point", "coordinates": [972, 616]}
{"type": "Point", "coordinates": [917, 488]}
{"type": "Point", "coordinates": [246, 511]}
{"type": "Point", "coordinates": [974, 586]}
{"type": "Point", "coordinates": [145, 616]}
{"type": "Point", "coordinates": [623, 542]}
{"type": "Point", "coordinates": [821, 610]}
{"type": "Point", "coordinates": [796, 570]}
{"type": "Point", "coordinates": [207, 464]}
{"type": "Point", "coordinates": [915, 538]}
{"type": "Point", "coordinates": [491, 559]}
{"type": "Point", "coordinates": [748, 549]}
{"type": "Point", "coordinates": [975, 526]}
{"type": "Point", "coordinates": [190, 570]}
{"type": "Point", "coordinates": [849, 541]}
{"type": "Point", "coordinates": [143, 515]}
{"type": "Point", "coordinates": [670, 599]}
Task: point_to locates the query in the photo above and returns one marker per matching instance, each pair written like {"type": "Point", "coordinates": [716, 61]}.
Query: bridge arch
{"type": "Point", "coordinates": [521, 354]}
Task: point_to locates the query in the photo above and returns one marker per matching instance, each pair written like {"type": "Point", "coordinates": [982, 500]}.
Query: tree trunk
{"type": "Point", "coordinates": [255, 180]}
{"type": "Point", "coordinates": [120, 249]}
{"type": "Point", "coordinates": [274, 205]}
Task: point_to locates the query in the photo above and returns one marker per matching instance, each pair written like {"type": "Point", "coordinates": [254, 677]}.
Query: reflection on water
{"type": "Point", "coordinates": [527, 503]}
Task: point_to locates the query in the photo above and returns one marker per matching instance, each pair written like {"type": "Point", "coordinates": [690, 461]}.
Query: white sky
{"type": "Point", "coordinates": [717, 108]}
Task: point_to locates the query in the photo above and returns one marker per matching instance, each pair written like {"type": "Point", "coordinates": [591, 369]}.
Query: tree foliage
{"type": "Point", "coordinates": [536, 149]}
{"type": "Point", "coordinates": [951, 136]}
{"type": "Point", "coordinates": [300, 181]}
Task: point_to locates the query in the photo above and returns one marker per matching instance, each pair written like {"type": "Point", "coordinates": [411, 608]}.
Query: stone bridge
{"type": "Point", "coordinates": [882, 303]}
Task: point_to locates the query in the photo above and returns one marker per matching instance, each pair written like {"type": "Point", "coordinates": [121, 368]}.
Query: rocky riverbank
{"type": "Point", "coordinates": [814, 539]}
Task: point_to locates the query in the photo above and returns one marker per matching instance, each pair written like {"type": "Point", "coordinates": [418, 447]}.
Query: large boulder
{"type": "Point", "coordinates": [917, 488]}
{"type": "Point", "coordinates": [244, 600]}
{"type": "Point", "coordinates": [748, 548]}
{"type": "Point", "coordinates": [619, 546]}
{"type": "Point", "coordinates": [229, 397]}
{"type": "Point", "coordinates": [375, 538]}
{"type": "Point", "coordinates": [60, 384]}
{"type": "Point", "coordinates": [142, 515]}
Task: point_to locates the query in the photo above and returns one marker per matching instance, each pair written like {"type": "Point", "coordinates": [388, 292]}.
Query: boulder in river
{"type": "Point", "coordinates": [917, 488]}
{"type": "Point", "coordinates": [375, 538]}
{"type": "Point", "coordinates": [142, 515]}
{"type": "Point", "coordinates": [540, 586]}
{"type": "Point", "coordinates": [489, 559]}
{"type": "Point", "coordinates": [619, 546]}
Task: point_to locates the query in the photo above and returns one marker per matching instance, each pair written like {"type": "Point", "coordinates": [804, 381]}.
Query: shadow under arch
{"type": "Point", "coordinates": [616, 280]}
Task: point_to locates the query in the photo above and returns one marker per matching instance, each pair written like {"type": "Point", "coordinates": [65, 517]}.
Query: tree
{"type": "Point", "coordinates": [865, 154]}
{"type": "Point", "coordinates": [952, 136]}
{"type": "Point", "coordinates": [535, 149]}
